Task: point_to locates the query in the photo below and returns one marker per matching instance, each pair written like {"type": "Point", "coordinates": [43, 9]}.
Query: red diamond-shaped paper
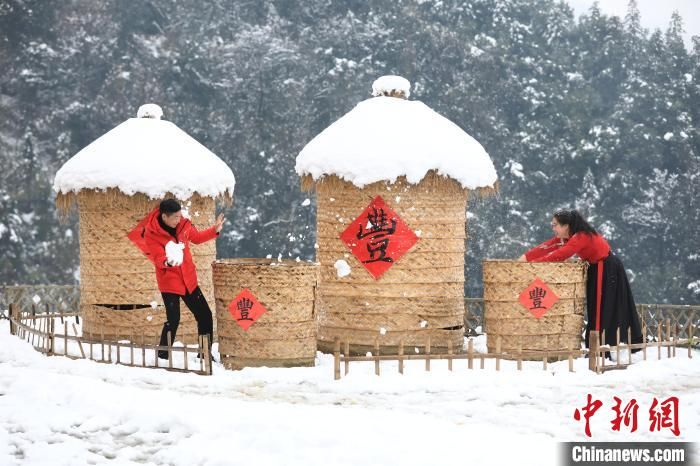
{"type": "Point", "coordinates": [538, 298]}
{"type": "Point", "coordinates": [378, 237]}
{"type": "Point", "coordinates": [246, 309]}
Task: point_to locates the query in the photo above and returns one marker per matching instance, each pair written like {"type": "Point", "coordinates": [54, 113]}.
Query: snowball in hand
{"type": "Point", "coordinates": [173, 251]}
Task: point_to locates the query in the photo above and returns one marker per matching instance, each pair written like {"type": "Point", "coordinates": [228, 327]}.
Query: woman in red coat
{"type": "Point", "coordinates": [167, 236]}
{"type": "Point", "coordinates": [609, 299]}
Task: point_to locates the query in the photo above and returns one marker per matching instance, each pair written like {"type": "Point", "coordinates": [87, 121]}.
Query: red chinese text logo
{"type": "Point", "coordinates": [662, 415]}
{"type": "Point", "coordinates": [378, 237]}
{"type": "Point", "coordinates": [538, 298]}
{"type": "Point", "coordinates": [245, 309]}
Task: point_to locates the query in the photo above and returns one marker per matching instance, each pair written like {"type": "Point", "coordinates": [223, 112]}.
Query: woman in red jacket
{"type": "Point", "coordinates": [175, 271]}
{"type": "Point", "coordinates": [609, 299]}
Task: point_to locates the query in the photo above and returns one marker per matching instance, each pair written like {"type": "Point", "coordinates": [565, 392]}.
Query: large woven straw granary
{"type": "Point", "coordinates": [115, 181]}
{"type": "Point", "coordinates": [392, 178]}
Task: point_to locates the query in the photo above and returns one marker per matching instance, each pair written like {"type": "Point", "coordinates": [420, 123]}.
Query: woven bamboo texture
{"type": "Point", "coordinates": [122, 324]}
{"type": "Point", "coordinates": [113, 271]}
{"type": "Point", "coordinates": [504, 315]}
{"type": "Point", "coordinates": [285, 335]}
{"type": "Point", "coordinates": [421, 294]}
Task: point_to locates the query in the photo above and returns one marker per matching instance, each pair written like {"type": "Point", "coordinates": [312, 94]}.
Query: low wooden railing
{"type": "Point", "coordinates": [50, 333]}
{"type": "Point", "coordinates": [67, 297]}
{"type": "Point", "coordinates": [667, 337]}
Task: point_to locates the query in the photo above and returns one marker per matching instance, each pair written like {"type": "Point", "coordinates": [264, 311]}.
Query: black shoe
{"type": "Point", "coordinates": [211, 357]}
{"type": "Point", "coordinates": [163, 354]}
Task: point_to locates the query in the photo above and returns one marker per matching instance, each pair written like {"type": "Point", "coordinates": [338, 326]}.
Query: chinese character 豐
{"type": "Point", "coordinates": [379, 227]}
{"type": "Point", "coordinates": [244, 306]}
{"type": "Point", "coordinates": [536, 295]}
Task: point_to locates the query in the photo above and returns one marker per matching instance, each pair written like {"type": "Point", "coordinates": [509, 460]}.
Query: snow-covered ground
{"type": "Point", "coordinates": [62, 412]}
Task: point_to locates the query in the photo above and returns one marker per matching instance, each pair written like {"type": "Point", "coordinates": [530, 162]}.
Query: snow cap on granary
{"type": "Point", "coordinates": [147, 155]}
{"type": "Point", "coordinates": [388, 136]}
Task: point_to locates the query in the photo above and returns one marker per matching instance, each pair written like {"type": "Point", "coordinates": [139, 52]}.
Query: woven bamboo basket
{"type": "Point", "coordinates": [285, 335]}
{"type": "Point", "coordinates": [421, 295]}
{"type": "Point", "coordinates": [558, 329]}
{"type": "Point", "coordinates": [117, 281]}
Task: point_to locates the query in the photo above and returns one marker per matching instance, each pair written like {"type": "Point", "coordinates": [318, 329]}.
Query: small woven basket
{"type": "Point", "coordinates": [559, 328]}
{"type": "Point", "coordinates": [285, 335]}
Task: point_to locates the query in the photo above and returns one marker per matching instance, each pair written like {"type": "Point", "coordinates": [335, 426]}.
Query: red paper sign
{"type": "Point", "coordinates": [246, 309]}
{"type": "Point", "coordinates": [378, 237]}
{"type": "Point", "coordinates": [538, 298]}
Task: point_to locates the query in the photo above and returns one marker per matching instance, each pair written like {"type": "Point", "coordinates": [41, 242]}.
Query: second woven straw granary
{"type": "Point", "coordinates": [392, 179]}
{"type": "Point", "coordinates": [115, 182]}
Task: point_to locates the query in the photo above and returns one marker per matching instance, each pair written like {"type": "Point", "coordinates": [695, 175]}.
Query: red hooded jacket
{"type": "Point", "coordinates": [179, 279]}
{"type": "Point", "coordinates": [591, 248]}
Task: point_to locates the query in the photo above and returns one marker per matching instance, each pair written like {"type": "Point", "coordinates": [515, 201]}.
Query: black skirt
{"type": "Point", "coordinates": [617, 308]}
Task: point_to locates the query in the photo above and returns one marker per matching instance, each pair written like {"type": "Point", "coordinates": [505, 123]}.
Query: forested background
{"type": "Point", "coordinates": [594, 113]}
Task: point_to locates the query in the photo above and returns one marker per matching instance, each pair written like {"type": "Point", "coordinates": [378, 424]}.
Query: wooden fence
{"type": "Point", "coordinates": [667, 336]}
{"type": "Point", "coordinates": [596, 354]}
{"type": "Point", "coordinates": [652, 315]}
{"type": "Point", "coordinates": [56, 334]}
{"type": "Point", "coordinates": [67, 297]}
{"type": "Point", "coordinates": [59, 297]}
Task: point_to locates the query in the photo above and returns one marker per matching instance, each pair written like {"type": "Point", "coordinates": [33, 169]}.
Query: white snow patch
{"type": "Point", "coordinates": [516, 169]}
{"type": "Point", "coordinates": [342, 268]}
{"type": "Point", "coordinates": [150, 111]}
{"type": "Point", "coordinates": [149, 156]}
{"type": "Point", "coordinates": [306, 202]}
{"type": "Point", "coordinates": [390, 83]}
{"type": "Point", "coordinates": [384, 138]}
{"type": "Point", "coordinates": [694, 287]}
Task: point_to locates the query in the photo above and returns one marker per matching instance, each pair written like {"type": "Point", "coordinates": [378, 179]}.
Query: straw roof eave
{"type": "Point", "coordinates": [65, 201]}
{"type": "Point", "coordinates": [432, 180]}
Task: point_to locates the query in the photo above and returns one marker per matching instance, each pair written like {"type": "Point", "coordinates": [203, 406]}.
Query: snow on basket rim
{"type": "Point", "coordinates": [384, 138]}
{"type": "Point", "coordinates": [147, 155]}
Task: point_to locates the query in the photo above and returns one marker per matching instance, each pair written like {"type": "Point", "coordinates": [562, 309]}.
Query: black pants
{"type": "Point", "coordinates": [197, 304]}
{"type": "Point", "coordinates": [617, 308]}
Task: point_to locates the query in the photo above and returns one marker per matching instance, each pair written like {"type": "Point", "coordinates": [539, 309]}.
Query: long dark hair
{"type": "Point", "coordinates": [575, 221]}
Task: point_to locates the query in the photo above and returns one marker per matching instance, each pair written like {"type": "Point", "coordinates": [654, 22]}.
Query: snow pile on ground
{"type": "Point", "coordinates": [174, 252]}
{"type": "Point", "coordinates": [150, 156]}
{"type": "Point", "coordinates": [62, 412]}
{"type": "Point", "coordinates": [384, 138]}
